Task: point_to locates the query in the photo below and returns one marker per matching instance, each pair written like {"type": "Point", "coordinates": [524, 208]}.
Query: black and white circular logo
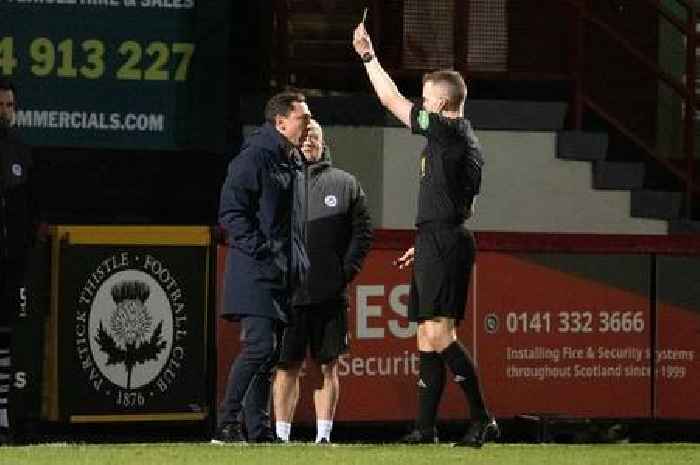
{"type": "Point", "coordinates": [331, 200]}
{"type": "Point", "coordinates": [129, 319]}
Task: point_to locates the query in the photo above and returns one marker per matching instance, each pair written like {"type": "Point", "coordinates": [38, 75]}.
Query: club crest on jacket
{"type": "Point", "coordinates": [331, 201]}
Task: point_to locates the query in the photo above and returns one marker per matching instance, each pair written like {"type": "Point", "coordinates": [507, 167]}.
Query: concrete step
{"type": "Point", "coordinates": [618, 175]}
{"type": "Point", "coordinates": [580, 145]}
{"type": "Point", "coordinates": [657, 204]}
{"type": "Point", "coordinates": [684, 227]}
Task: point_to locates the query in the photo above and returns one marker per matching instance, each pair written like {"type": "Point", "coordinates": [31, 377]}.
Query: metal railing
{"type": "Point", "coordinates": [582, 22]}
{"type": "Point", "coordinates": [685, 89]}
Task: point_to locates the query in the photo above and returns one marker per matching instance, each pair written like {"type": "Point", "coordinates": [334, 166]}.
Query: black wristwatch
{"type": "Point", "coordinates": [367, 57]}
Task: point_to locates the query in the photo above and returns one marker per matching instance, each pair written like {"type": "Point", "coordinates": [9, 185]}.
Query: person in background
{"type": "Point", "coordinates": [17, 234]}
{"type": "Point", "coordinates": [339, 236]}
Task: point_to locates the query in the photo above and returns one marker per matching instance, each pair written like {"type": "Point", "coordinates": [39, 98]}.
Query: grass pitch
{"type": "Point", "coordinates": [310, 454]}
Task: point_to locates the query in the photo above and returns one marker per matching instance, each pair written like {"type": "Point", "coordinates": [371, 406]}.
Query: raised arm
{"type": "Point", "coordinates": [384, 86]}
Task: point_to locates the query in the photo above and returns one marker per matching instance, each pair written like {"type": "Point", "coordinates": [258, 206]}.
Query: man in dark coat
{"type": "Point", "coordinates": [17, 218]}
{"type": "Point", "coordinates": [339, 236]}
{"type": "Point", "coordinates": [262, 211]}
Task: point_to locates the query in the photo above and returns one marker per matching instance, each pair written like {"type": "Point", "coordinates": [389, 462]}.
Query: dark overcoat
{"type": "Point", "coordinates": [262, 209]}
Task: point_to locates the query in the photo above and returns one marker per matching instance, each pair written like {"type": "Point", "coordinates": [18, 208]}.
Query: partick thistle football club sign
{"type": "Point", "coordinates": [132, 329]}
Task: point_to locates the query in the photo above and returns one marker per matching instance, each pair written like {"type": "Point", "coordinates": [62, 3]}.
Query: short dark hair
{"type": "Point", "coordinates": [282, 104]}
{"type": "Point", "coordinates": [5, 84]}
{"type": "Point", "coordinates": [456, 87]}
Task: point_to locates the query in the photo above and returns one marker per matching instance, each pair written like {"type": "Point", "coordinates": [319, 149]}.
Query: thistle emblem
{"type": "Point", "coordinates": [132, 339]}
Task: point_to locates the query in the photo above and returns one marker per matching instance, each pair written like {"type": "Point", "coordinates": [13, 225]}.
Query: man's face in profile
{"type": "Point", "coordinates": [7, 108]}
{"type": "Point", "coordinates": [293, 126]}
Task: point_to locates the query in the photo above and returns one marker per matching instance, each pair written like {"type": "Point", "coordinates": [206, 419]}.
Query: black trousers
{"type": "Point", "coordinates": [250, 377]}
{"type": "Point", "coordinates": [11, 281]}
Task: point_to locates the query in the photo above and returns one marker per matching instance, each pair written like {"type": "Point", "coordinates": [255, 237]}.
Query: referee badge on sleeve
{"type": "Point", "coordinates": [423, 119]}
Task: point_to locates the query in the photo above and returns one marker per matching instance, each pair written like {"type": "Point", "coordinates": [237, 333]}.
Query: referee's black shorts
{"type": "Point", "coordinates": [444, 256]}
{"type": "Point", "coordinates": [322, 329]}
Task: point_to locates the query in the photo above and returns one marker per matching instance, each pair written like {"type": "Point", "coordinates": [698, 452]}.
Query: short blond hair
{"type": "Point", "coordinates": [453, 83]}
{"type": "Point", "coordinates": [315, 126]}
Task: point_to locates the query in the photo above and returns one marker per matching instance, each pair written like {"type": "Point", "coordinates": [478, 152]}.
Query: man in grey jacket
{"type": "Point", "coordinates": [338, 239]}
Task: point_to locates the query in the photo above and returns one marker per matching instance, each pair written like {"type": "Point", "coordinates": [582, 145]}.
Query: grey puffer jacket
{"type": "Point", "coordinates": [338, 232]}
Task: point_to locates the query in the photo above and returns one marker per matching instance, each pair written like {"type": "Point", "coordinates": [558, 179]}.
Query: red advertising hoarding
{"type": "Point", "coordinates": [555, 336]}
{"type": "Point", "coordinates": [678, 338]}
{"type": "Point", "coordinates": [379, 373]}
{"type": "Point", "coordinates": [559, 325]}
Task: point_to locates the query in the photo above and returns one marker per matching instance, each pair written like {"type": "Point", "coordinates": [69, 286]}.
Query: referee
{"type": "Point", "coordinates": [444, 251]}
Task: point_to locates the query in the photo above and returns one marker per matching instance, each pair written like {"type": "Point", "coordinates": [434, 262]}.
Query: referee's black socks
{"type": "Point", "coordinates": [431, 383]}
{"type": "Point", "coordinates": [462, 366]}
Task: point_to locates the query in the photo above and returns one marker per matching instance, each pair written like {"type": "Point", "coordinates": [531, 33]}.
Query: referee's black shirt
{"type": "Point", "coordinates": [449, 167]}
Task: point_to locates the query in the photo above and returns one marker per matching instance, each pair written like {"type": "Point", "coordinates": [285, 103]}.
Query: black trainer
{"type": "Point", "coordinates": [229, 433]}
{"type": "Point", "coordinates": [418, 436]}
{"type": "Point", "coordinates": [480, 432]}
{"type": "Point", "coordinates": [5, 439]}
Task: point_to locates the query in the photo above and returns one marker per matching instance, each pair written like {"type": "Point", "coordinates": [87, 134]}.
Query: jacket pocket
{"type": "Point", "coordinates": [272, 268]}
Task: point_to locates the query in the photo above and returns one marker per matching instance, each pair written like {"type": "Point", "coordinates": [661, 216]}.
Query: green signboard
{"type": "Point", "coordinates": [126, 74]}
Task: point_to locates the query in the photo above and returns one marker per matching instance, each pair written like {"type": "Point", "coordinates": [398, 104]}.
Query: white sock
{"type": "Point", "coordinates": [323, 430]}
{"type": "Point", "coordinates": [283, 430]}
